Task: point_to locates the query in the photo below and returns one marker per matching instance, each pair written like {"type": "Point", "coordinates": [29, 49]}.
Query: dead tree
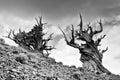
{"type": "Point", "coordinates": [32, 40]}
{"type": "Point", "coordinates": [91, 57]}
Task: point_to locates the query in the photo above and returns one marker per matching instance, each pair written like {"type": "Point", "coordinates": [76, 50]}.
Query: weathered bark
{"type": "Point", "coordinates": [91, 62]}
{"type": "Point", "coordinates": [91, 57]}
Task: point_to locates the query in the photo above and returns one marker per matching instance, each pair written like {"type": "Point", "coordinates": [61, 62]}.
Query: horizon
{"type": "Point", "coordinates": [15, 14]}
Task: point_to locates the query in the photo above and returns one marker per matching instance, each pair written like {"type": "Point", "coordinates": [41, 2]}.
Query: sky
{"type": "Point", "coordinates": [15, 14]}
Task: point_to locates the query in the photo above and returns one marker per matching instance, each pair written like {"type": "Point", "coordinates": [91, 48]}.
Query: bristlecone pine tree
{"type": "Point", "coordinates": [91, 56]}
{"type": "Point", "coordinates": [33, 40]}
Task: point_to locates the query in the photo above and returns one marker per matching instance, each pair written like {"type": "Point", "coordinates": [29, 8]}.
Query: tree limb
{"type": "Point", "coordinates": [81, 24]}
{"type": "Point", "coordinates": [97, 42]}
{"type": "Point", "coordinates": [72, 41]}
{"type": "Point", "coordinates": [63, 34]}
{"type": "Point", "coordinates": [103, 51]}
{"type": "Point", "coordinates": [101, 28]}
{"type": "Point", "coordinates": [9, 35]}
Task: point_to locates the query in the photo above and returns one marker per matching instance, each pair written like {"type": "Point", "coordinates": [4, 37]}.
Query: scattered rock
{"type": "Point", "coordinates": [2, 41]}
{"type": "Point", "coordinates": [15, 52]}
{"type": "Point", "coordinates": [20, 59]}
{"type": "Point", "coordinates": [23, 65]}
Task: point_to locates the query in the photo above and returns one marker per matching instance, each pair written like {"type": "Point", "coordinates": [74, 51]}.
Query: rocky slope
{"type": "Point", "coordinates": [19, 64]}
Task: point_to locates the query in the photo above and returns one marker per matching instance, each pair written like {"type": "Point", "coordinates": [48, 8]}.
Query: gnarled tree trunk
{"type": "Point", "coordinates": [91, 57]}
{"type": "Point", "coordinates": [91, 62]}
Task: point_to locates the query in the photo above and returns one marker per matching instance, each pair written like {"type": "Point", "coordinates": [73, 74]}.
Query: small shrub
{"type": "Point", "coordinates": [51, 60]}
{"type": "Point", "coordinates": [60, 63]}
{"type": "Point", "coordinates": [81, 69]}
{"type": "Point", "coordinates": [2, 41]}
{"type": "Point", "coordinates": [76, 76]}
{"type": "Point", "coordinates": [73, 66]}
{"type": "Point", "coordinates": [15, 52]}
{"type": "Point", "coordinates": [20, 59]}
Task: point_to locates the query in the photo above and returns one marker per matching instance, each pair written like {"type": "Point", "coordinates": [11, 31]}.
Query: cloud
{"type": "Point", "coordinates": [57, 38]}
{"type": "Point", "coordinates": [68, 55]}
{"type": "Point", "coordinates": [8, 21]}
{"type": "Point", "coordinates": [15, 22]}
{"type": "Point", "coordinates": [112, 40]}
{"type": "Point", "coordinates": [2, 28]}
{"type": "Point", "coordinates": [52, 9]}
{"type": "Point", "coordinates": [57, 10]}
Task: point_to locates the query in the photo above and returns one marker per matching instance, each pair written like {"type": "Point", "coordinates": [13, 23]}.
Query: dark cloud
{"type": "Point", "coordinates": [111, 11]}
{"type": "Point", "coordinates": [50, 8]}
{"type": "Point", "coordinates": [59, 9]}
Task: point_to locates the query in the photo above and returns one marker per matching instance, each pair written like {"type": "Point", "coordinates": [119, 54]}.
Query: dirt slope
{"type": "Point", "coordinates": [19, 64]}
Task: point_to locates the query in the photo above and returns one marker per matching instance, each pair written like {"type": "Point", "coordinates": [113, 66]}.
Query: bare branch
{"type": "Point", "coordinates": [9, 35]}
{"type": "Point", "coordinates": [88, 27]}
{"type": "Point", "coordinates": [40, 20]}
{"type": "Point", "coordinates": [45, 41]}
{"type": "Point", "coordinates": [81, 23]}
{"type": "Point", "coordinates": [20, 30]}
{"type": "Point", "coordinates": [91, 31]}
{"type": "Point", "coordinates": [72, 41]}
{"type": "Point", "coordinates": [103, 51]}
{"type": "Point", "coordinates": [72, 35]}
{"type": "Point", "coordinates": [50, 48]}
{"type": "Point", "coordinates": [50, 37]}
{"type": "Point", "coordinates": [47, 54]}
{"type": "Point", "coordinates": [83, 34]}
{"type": "Point", "coordinates": [63, 34]}
{"type": "Point", "coordinates": [101, 28]}
{"type": "Point", "coordinates": [13, 32]}
{"type": "Point", "coordinates": [97, 42]}
{"type": "Point", "coordinates": [37, 21]}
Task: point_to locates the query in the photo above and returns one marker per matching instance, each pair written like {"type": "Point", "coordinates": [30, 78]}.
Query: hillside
{"type": "Point", "coordinates": [17, 63]}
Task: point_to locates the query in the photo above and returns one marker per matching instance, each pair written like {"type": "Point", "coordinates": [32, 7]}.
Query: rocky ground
{"type": "Point", "coordinates": [19, 64]}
